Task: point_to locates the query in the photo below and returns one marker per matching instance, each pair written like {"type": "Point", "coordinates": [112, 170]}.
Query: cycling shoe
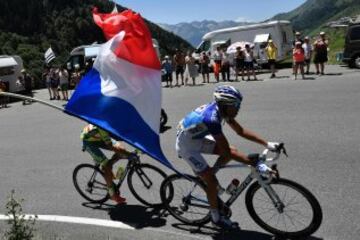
{"type": "Point", "coordinates": [226, 224]}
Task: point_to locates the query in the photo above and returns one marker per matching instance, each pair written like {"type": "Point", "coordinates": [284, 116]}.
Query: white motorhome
{"type": "Point", "coordinates": [81, 54]}
{"type": "Point", "coordinates": [280, 32]}
{"type": "Point", "coordinates": [10, 70]}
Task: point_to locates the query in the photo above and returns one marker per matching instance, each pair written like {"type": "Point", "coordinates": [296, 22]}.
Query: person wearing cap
{"type": "Point", "coordinates": [298, 59]}
{"type": "Point", "coordinates": [308, 53]}
{"type": "Point", "coordinates": [297, 39]}
{"type": "Point", "coordinates": [271, 53]}
{"type": "Point", "coordinates": [167, 69]}
{"type": "Point", "coordinates": [320, 53]}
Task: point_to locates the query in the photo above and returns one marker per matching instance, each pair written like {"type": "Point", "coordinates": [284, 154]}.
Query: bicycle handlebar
{"type": "Point", "coordinates": [280, 149]}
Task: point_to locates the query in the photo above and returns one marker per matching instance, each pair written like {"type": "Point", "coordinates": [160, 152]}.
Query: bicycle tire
{"type": "Point", "coordinates": [147, 195]}
{"type": "Point", "coordinates": [312, 203]}
{"type": "Point", "coordinates": [169, 192]}
{"type": "Point", "coordinates": [98, 197]}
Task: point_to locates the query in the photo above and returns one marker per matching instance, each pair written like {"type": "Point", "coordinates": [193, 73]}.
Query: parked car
{"type": "Point", "coordinates": [351, 54]}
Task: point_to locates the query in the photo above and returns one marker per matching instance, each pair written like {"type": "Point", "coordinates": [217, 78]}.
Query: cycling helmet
{"type": "Point", "coordinates": [228, 95]}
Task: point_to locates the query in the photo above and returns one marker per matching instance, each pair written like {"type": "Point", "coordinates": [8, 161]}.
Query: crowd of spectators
{"type": "Point", "coordinates": [242, 63]}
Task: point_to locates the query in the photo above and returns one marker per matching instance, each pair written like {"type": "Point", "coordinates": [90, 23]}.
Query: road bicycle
{"type": "Point", "coordinates": [143, 179]}
{"type": "Point", "coordinates": [278, 205]}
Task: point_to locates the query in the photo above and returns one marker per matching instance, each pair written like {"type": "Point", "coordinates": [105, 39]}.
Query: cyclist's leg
{"type": "Point", "coordinates": [235, 155]}
{"type": "Point", "coordinates": [93, 148]}
{"type": "Point", "coordinates": [120, 152]}
{"type": "Point", "coordinates": [191, 151]}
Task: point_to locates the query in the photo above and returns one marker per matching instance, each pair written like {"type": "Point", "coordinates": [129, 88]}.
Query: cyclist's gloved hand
{"type": "Point", "coordinates": [262, 168]}
{"type": "Point", "coordinates": [272, 146]}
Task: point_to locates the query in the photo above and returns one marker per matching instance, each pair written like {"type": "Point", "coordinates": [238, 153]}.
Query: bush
{"type": "Point", "coordinates": [21, 228]}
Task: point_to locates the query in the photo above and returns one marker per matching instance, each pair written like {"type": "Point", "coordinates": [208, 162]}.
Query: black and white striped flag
{"type": "Point", "coordinates": [49, 55]}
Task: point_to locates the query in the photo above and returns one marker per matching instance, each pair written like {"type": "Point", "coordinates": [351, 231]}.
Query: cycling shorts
{"type": "Point", "coordinates": [191, 150]}
{"type": "Point", "coordinates": [94, 149]}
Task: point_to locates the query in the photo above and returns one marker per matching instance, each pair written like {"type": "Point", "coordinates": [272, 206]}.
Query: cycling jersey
{"type": "Point", "coordinates": [202, 121]}
{"type": "Point", "coordinates": [92, 133]}
{"type": "Point", "coordinates": [194, 136]}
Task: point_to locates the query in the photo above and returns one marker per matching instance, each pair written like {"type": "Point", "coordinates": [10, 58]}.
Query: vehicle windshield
{"type": "Point", "coordinates": [204, 46]}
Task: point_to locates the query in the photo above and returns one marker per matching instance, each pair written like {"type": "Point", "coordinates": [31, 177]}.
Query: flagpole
{"type": "Point", "coordinates": [19, 96]}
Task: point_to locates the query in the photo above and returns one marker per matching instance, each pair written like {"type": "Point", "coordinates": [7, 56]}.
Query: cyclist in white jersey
{"type": "Point", "coordinates": [200, 132]}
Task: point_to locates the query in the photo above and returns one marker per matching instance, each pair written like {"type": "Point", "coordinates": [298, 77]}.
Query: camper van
{"type": "Point", "coordinates": [280, 32]}
{"type": "Point", "coordinates": [80, 55]}
{"type": "Point", "coordinates": [10, 70]}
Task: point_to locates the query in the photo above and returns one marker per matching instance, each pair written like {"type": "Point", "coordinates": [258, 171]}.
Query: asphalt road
{"type": "Point", "coordinates": [318, 119]}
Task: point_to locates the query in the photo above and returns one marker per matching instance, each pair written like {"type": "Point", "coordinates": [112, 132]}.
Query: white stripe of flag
{"type": "Point", "coordinates": [49, 55]}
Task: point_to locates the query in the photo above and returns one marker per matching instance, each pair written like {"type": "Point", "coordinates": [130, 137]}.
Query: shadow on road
{"type": "Point", "coordinates": [137, 216]}
{"type": "Point", "coordinates": [215, 234]}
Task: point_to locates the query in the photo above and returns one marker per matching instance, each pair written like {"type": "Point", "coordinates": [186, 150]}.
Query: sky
{"type": "Point", "coordinates": [174, 11]}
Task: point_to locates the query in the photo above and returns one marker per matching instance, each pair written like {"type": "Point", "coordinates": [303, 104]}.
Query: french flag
{"type": "Point", "coordinates": [122, 93]}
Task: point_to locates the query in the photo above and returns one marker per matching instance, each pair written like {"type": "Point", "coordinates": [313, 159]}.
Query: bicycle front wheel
{"type": "Point", "coordinates": [185, 199]}
{"type": "Point", "coordinates": [90, 183]}
{"type": "Point", "coordinates": [144, 182]}
{"type": "Point", "coordinates": [296, 214]}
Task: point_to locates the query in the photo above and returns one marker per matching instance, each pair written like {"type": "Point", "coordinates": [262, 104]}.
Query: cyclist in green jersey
{"type": "Point", "coordinates": [94, 139]}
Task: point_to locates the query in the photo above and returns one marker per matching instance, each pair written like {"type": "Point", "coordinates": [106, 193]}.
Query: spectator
{"type": "Point", "coordinates": [64, 83]}
{"type": "Point", "coordinates": [204, 66]}
{"type": "Point", "coordinates": [54, 83]}
{"type": "Point", "coordinates": [308, 53]}
{"type": "Point", "coordinates": [46, 77]}
{"type": "Point", "coordinates": [3, 99]}
{"type": "Point", "coordinates": [271, 53]}
{"type": "Point", "coordinates": [225, 67]}
{"type": "Point", "coordinates": [249, 62]}
{"type": "Point", "coordinates": [76, 76]}
{"type": "Point", "coordinates": [179, 63]}
{"type": "Point", "coordinates": [167, 71]}
{"type": "Point", "coordinates": [320, 49]}
{"type": "Point", "coordinates": [218, 57]}
{"type": "Point", "coordinates": [27, 83]}
{"type": "Point", "coordinates": [239, 63]}
{"type": "Point", "coordinates": [191, 69]}
{"type": "Point", "coordinates": [298, 59]}
{"type": "Point", "coordinates": [297, 39]}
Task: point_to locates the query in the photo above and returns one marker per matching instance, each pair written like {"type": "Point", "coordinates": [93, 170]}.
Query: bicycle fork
{"type": "Point", "coordinates": [144, 178]}
{"type": "Point", "coordinates": [278, 204]}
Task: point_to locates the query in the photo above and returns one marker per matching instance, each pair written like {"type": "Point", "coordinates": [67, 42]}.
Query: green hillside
{"type": "Point", "coordinates": [311, 17]}
{"type": "Point", "coordinates": [29, 27]}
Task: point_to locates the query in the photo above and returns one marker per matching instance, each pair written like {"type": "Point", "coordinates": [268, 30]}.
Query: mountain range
{"type": "Point", "coordinates": [193, 31]}
{"type": "Point", "coordinates": [308, 18]}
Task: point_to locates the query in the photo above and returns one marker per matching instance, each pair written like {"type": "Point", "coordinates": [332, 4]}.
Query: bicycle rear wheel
{"type": "Point", "coordinates": [185, 199]}
{"type": "Point", "coordinates": [298, 214]}
{"type": "Point", "coordinates": [90, 183]}
{"type": "Point", "coordinates": [144, 182]}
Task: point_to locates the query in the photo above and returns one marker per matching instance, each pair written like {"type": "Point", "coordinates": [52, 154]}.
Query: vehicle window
{"type": "Point", "coordinates": [5, 71]}
{"type": "Point", "coordinates": [355, 33]}
{"type": "Point", "coordinates": [205, 46]}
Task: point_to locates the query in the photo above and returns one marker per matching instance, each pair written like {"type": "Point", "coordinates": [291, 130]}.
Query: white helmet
{"type": "Point", "coordinates": [228, 95]}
